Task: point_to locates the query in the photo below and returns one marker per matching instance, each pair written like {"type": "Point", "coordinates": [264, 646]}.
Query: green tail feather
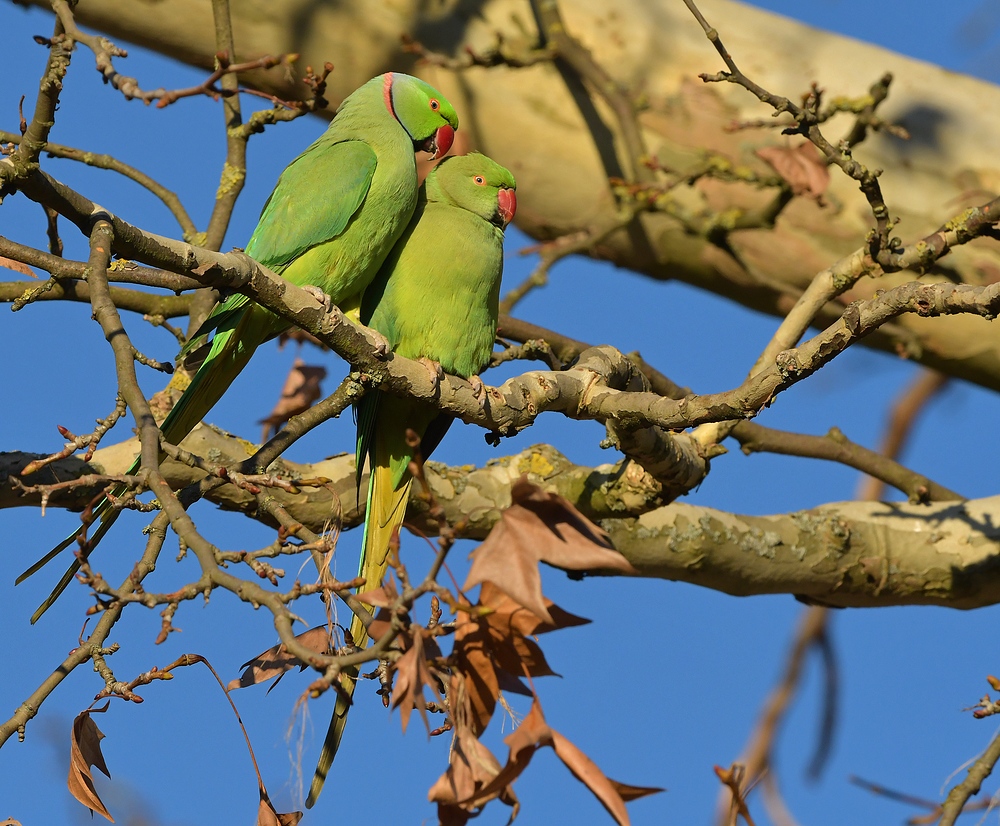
{"type": "Point", "coordinates": [333, 735]}
{"type": "Point", "coordinates": [384, 514]}
{"type": "Point", "coordinates": [108, 516]}
{"type": "Point", "coordinates": [238, 334]}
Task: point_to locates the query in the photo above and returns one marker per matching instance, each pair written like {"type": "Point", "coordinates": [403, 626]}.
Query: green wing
{"type": "Point", "coordinates": [315, 199]}
{"type": "Point", "coordinates": [225, 314]}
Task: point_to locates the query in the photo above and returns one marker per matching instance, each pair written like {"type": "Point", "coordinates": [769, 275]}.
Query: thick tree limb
{"type": "Point", "coordinates": [657, 50]}
{"type": "Point", "coordinates": [841, 554]}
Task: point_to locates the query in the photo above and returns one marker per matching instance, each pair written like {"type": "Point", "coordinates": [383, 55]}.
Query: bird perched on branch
{"type": "Point", "coordinates": [435, 298]}
{"type": "Point", "coordinates": [334, 215]}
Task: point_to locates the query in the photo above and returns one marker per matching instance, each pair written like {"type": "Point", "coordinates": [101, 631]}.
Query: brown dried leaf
{"type": "Point", "coordinates": [605, 790]}
{"type": "Point", "coordinates": [268, 816]}
{"type": "Point", "coordinates": [471, 768]}
{"type": "Point", "coordinates": [492, 651]}
{"type": "Point", "coordinates": [413, 675]}
{"type": "Point", "coordinates": [511, 684]}
{"type": "Point", "coordinates": [382, 597]}
{"type": "Point", "coordinates": [510, 649]}
{"type": "Point", "coordinates": [474, 677]}
{"type": "Point", "coordinates": [521, 652]}
{"type": "Point", "coordinates": [801, 166]}
{"type": "Point", "coordinates": [629, 793]}
{"type": "Point", "coordinates": [381, 623]}
{"type": "Point", "coordinates": [526, 739]}
{"type": "Point", "coordinates": [534, 733]}
{"type": "Point", "coordinates": [300, 336]}
{"type": "Point", "coordinates": [17, 266]}
{"type": "Point", "coordinates": [302, 388]}
{"type": "Point", "coordinates": [85, 751]}
{"type": "Point", "coordinates": [540, 527]}
{"type": "Point", "coordinates": [508, 613]}
{"type": "Point", "coordinates": [276, 660]}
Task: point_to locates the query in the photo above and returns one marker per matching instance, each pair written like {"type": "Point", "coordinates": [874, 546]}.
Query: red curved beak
{"type": "Point", "coordinates": [507, 204]}
{"type": "Point", "coordinates": [440, 142]}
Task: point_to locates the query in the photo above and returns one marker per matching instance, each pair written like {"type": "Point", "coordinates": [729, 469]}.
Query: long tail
{"type": "Point", "coordinates": [108, 515]}
{"type": "Point", "coordinates": [234, 343]}
{"type": "Point", "coordinates": [385, 511]}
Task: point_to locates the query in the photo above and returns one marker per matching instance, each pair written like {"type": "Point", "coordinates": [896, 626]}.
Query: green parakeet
{"type": "Point", "coordinates": [334, 215]}
{"type": "Point", "coordinates": [435, 297]}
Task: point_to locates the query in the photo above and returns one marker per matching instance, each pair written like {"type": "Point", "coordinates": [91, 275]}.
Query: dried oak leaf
{"type": "Point", "coordinates": [532, 734]}
{"type": "Point", "coordinates": [801, 166]}
{"type": "Point", "coordinates": [472, 767]}
{"type": "Point", "coordinates": [412, 675]}
{"type": "Point", "coordinates": [302, 388]}
{"type": "Point", "coordinates": [540, 527]}
{"type": "Point", "coordinates": [276, 660]}
{"type": "Point", "coordinates": [85, 751]}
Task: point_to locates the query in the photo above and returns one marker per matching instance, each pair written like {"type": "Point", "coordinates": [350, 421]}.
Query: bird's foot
{"type": "Point", "coordinates": [319, 295]}
{"type": "Point", "coordinates": [434, 370]}
{"type": "Point", "coordinates": [478, 390]}
{"type": "Point", "coordinates": [381, 344]}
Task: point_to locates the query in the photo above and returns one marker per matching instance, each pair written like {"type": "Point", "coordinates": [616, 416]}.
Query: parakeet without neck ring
{"type": "Point", "coordinates": [435, 297]}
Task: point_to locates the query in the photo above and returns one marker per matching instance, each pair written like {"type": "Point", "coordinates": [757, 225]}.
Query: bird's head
{"type": "Point", "coordinates": [426, 115]}
{"type": "Point", "coordinates": [476, 183]}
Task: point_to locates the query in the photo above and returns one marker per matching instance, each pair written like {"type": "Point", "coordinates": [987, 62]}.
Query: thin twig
{"type": "Point", "coordinates": [881, 245]}
{"type": "Point", "coordinates": [554, 251]}
{"type": "Point", "coordinates": [757, 753]}
{"type": "Point", "coordinates": [109, 162]}
{"type": "Point", "coordinates": [578, 57]}
{"type": "Point", "coordinates": [982, 767]}
{"type": "Point", "coordinates": [905, 410]}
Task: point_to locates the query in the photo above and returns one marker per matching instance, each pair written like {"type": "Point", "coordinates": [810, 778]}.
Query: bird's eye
{"type": "Point", "coordinates": [435, 104]}
{"type": "Point", "coordinates": [480, 180]}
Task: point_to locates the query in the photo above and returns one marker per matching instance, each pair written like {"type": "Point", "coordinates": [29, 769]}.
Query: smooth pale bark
{"type": "Point", "coordinates": [539, 124]}
{"type": "Point", "coordinates": [843, 554]}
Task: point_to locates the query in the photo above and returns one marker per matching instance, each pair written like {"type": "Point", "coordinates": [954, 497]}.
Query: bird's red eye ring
{"type": "Point", "coordinates": [435, 104]}
{"type": "Point", "coordinates": [480, 180]}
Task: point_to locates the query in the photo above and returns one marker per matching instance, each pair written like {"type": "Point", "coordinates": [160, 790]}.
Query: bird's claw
{"type": "Point", "coordinates": [478, 390]}
{"type": "Point", "coordinates": [319, 295]}
{"type": "Point", "coordinates": [381, 344]}
{"type": "Point", "coordinates": [434, 370]}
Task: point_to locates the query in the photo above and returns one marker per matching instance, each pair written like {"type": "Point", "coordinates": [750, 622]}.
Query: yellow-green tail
{"type": "Point", "coordinates": [384, 514]}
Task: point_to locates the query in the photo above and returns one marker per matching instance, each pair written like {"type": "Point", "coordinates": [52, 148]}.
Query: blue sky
{"type": "Point", "coordinates": [666, 681]}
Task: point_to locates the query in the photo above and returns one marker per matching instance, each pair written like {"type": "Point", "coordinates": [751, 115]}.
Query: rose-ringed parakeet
{"type": "Point", "coordinates": [435, 298]}
{"type": "Point", "coordinates": [334, 215]}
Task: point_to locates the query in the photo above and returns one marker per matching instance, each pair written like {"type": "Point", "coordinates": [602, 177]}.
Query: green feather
{"type": "Point", "coordinates": [333, 216]}
{"type": "Point", "coordinates": [436, 296]}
